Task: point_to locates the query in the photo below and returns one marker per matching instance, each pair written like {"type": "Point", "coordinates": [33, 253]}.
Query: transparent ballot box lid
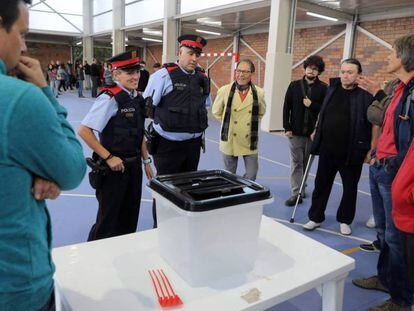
{"type": "Point", "coordinates": [208, 189]}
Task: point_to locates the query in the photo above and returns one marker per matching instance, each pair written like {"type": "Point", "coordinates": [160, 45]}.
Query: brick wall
{"type": "Point", "coordinates": [308, 40]}
{"type": "Point", "coordinates": [371, 54]}
{"type": "Point", "coordinates": [154, 51]}
{"type": "Point", "coordinates": [46, 52]}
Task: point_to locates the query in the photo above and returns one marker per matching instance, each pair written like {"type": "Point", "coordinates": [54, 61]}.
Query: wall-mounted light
{"type": "Point", "coordinates": [322, 16]}
{"type": "Point", "coordinates": [209, 32]}
{"type": "Point", "coordinates": [153, 32]}
{"type": "Point", "coordinates": [208, 21]}
{"type": "Point", "coordinates": [150, 39]}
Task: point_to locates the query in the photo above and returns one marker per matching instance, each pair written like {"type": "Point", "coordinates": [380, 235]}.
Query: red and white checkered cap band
{"type": "Point", "coordinates": [219, 54]}
{"type": "Point", "coordinates": [192, 43]}
{"type": "Point", "coordinates": [125, 63]}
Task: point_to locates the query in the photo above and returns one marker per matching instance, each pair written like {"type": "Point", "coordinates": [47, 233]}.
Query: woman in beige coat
{"type": "Point", "coordinates": [239, 106]}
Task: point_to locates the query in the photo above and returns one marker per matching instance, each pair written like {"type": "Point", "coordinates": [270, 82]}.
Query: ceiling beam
{"type": "Point", "coordinates": [207, 28]}
{"type": "Point", "coordinates": [52, 32]}
{"type": "Point", "coordinates": [63, 17]}
{"type": "Point", "coordinates": [47, 41]}
{"type": "Point", "coordinates": [224, 9]}
{"type": "Point", "coordinates": [156, 23]}
{"type": "Point", "coordinates": [311, 7]}
{"type": "Point", "coordinates": [389, 14]}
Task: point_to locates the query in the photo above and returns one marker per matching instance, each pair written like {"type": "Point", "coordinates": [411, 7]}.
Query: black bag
{"type": "Point", "coordinates": [152, 138]}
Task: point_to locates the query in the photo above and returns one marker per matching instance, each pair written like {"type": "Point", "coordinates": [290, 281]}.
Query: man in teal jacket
{"type": "Point", "coordinates": [39, 155]}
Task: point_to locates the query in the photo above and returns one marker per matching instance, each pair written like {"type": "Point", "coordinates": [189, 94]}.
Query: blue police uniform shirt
{"type": "Point", "coordinates": [103, 109]}
{"type": "Point", "coordinates": [160, 84]}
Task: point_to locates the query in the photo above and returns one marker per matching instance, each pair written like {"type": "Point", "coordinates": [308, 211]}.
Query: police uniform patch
{"type": "Point", "coordinates": [180, 86]}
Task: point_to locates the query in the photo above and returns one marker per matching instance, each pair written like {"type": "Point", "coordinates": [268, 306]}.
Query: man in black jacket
{"type": "Point", "coordinates": [87, 69]}
{"type": "Point", "coordinates": [343, 142]}
{"type": "Point", "coordinates": [143, 78]}
{"type": "Point", "coordinates": [95, 77]}
{"type": "Point", "coordinates": [303, 101]}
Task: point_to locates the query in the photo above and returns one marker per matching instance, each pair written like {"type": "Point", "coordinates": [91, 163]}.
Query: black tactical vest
{"type": "Point", "coordinates": [184, 109]}
{"type": "Point", "coordinates": [123, 134]}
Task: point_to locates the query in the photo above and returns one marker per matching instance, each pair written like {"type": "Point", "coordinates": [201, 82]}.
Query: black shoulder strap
{"type": "Point", "coordinates": [302, 87]}
{"type": "Point", "coordinates": [410, 99]}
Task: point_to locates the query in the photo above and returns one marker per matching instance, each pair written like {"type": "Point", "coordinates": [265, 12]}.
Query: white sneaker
{"type": "Point", "coordinates": [370, 222]}
{"type": "Point", "coordinates": [345, 229]}
{"type": "Point", "coordinates": [311, 225]}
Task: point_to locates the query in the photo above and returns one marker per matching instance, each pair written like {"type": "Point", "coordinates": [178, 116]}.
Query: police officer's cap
{"type": "Point", "coordinates": [192, 41]}
{"type": "Point", "coordinates": [125, 60]}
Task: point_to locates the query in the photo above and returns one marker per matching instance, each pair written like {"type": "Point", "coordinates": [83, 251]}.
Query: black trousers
{"type": "Point", "coordinates": [325, 176]}
{"type": "Point", "coordinates": [173, 157]}
{"type": "Point", "coordinates": [119, 202]}
{"type": "Point", "coordinates": [408, 240]}
{"type": "Point", "coordinates": [95, 85]}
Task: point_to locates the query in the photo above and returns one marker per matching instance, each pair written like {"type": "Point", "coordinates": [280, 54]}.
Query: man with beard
{"type": "Point", "coordinates": [303, 102]}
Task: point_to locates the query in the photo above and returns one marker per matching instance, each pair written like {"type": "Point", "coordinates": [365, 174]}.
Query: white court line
{"type": "Point", "coordinates": [298, 224]}
{"type": "Point", "coordinates": [83, 98]}
{"type": "Point", "coordinates": [91, 196]}
{"type": "Point", "coordinates": [326, 230]}
{"type": "Point", "coordinates": [288, 166]}
{"type": "Point", "coordinates": [276, 219]}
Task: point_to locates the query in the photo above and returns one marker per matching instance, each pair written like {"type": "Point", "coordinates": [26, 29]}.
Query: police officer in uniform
{"type": "Point", "coordinates": [180, 92]}
{"type": "Point", "coordinates": [118, 116]}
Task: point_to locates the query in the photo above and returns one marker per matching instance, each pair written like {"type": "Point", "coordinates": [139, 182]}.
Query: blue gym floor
{"type": "Point", "coordinates": [73, 213]}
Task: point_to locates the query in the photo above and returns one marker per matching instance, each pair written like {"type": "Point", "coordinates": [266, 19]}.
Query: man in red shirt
{"type": "Point", "coordinates": [392, 146]}
{"type": "Point", "coordinates": [403, 208]}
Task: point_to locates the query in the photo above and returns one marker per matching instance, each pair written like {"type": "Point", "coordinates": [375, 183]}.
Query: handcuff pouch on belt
{"type": "Point", "coordinates": [99, 168]}
{"type": "Point", "coordinates": [152, 138]}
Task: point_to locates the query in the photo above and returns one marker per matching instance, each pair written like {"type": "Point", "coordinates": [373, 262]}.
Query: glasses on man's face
{"type": "Point", "coordinates": [244, 72]}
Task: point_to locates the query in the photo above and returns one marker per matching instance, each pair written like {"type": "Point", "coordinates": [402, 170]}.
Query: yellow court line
{"type": "Point", "coordinates": [350, 250]}
{"type": "Point", "coordinates": [273, 177]}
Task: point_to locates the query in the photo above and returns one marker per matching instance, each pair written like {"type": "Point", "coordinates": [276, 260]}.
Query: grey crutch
{"type": "Point", "coordinates": [305, 177]}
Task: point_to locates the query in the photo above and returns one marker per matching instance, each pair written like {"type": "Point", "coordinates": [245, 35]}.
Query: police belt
{"type": "Point", "coordinates": [101, 166]}
{"type": "Point", "coordinates": [122, 131]}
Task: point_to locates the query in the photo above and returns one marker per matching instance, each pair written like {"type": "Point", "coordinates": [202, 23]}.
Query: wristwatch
{"type": "Point", "coordinates": [146, 161]}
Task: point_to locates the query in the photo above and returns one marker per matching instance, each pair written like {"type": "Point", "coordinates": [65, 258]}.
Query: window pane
{"type": "Point", "coordinates": [70, 7]}
{"type": "Point", "coordinates": [53, 22]}
{"type": "Point", "coordinates": [102, 22]}
{"type": "Point", "coordinates": [41, 7]}
{"type": "Point", "coordinates": [100, 6]}
{"type": "Point", "coordinates": [144, 11]}
{"type": "Point", "coordinates": [191, 5]}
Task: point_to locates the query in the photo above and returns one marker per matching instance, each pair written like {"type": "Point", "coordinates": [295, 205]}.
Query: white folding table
{"type": "Point", "coordinates": [112, 274]}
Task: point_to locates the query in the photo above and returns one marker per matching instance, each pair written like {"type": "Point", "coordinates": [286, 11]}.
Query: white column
{"type": "Point", "coordinates": [278, 61]}
{"type": "Point", "coordinates": [87, 39]}
{"type": "Point", "coordinates": [144, 53]}
{"type": "Point", "coordinates": [170, 32]}
{"type": "Point", "coordinates": [236, 49]}
{"type": "Point", "coordinates": [118, 21]}
{"type": "Point", "coordinates": [349, 42]}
